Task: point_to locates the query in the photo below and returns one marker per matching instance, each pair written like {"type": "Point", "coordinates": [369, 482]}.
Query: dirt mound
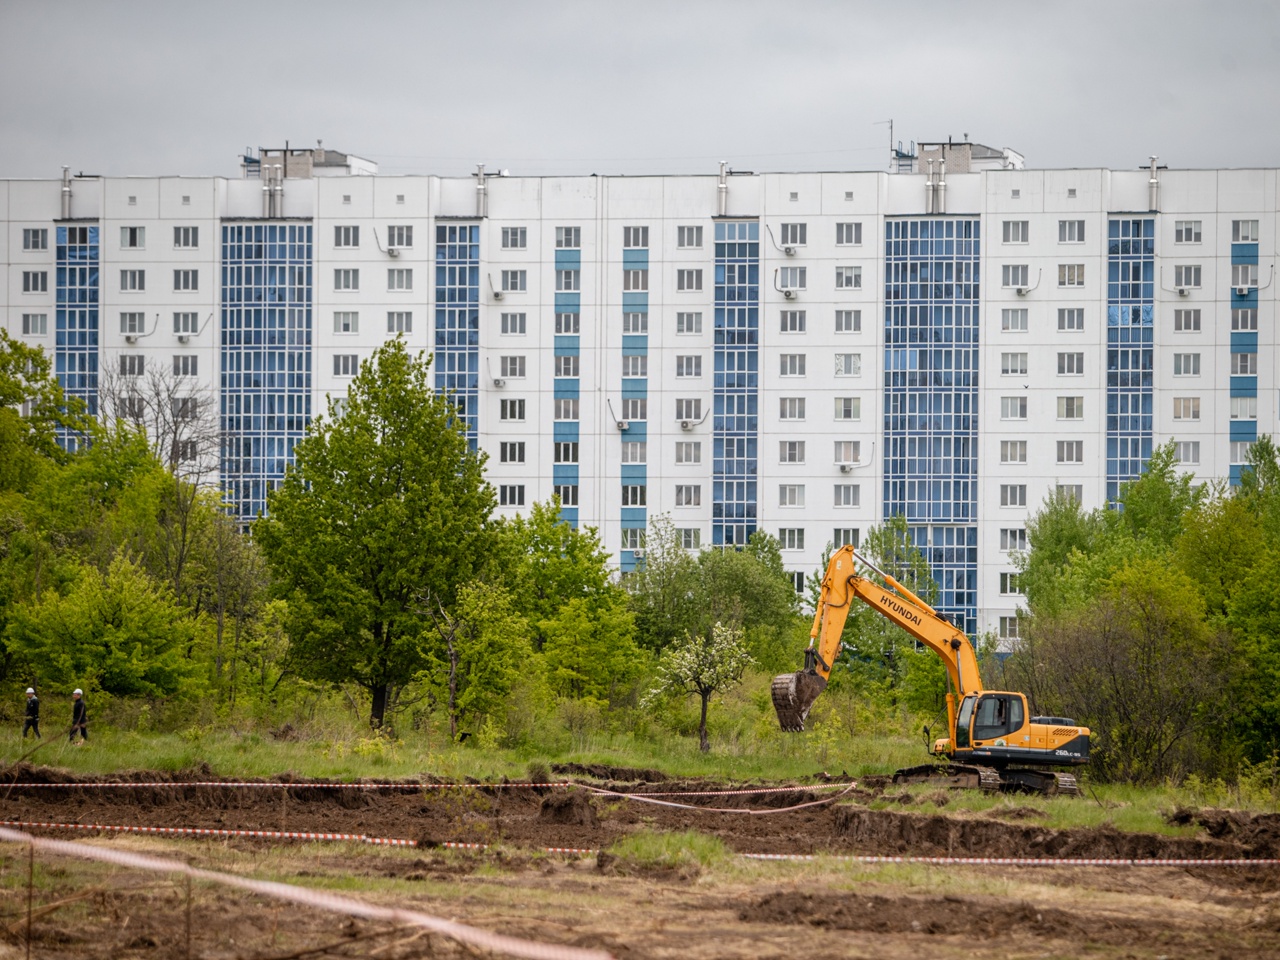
{"type": "Point", "coordinates": [570, 807]}
{"type": "Point", "coordinates": [1259, 833]}
{"type": "Point", "coordinates": [602, 772]}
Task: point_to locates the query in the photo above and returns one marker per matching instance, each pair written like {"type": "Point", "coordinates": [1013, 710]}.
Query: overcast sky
{"type": "Point", "coordinates": [637, 87]}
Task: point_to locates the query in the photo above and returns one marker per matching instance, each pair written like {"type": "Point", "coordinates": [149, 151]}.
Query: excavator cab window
{"type": "Point", "coordinates": [998, 715]}
{"type": "Point", "coordinates": [962, 721]}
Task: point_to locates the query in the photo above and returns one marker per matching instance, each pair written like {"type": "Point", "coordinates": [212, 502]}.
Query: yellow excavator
{"type": "Point", "coordinates": [993, 743]}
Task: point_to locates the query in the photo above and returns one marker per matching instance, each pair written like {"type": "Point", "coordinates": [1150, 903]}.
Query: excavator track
{"type": "Point", "coordinates": [1047, 783]}
{"type": "Point", "coordinates": [957, 776]}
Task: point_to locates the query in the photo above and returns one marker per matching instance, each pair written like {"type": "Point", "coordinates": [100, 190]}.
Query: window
{"type": "Point", "coordinates": [791, 408]}
{"type": "Point", "coordinates": [635, 451]}
{"type": "Point", "coordinates": [635, 323]}
{"type": "Point", "coordinates": [1013, 408]}
{"type": "Point", "coordinates": [1244, 364]}
{"type": "Point", "coordinates": [635, 365]}
{"type": "Point", "coordinates": [514, 238]}
{"type": "Point", "coordinates": [133, 238]}
{"type": "Point", "coordinates": [514, 324]}
{"type": "Point", "coordinates": [1071, 408]}
{"type": "Point", "coordinates": [848, 364]}
{"type": "Point", "coordinates": [848, 495]}
{"type": "Point", "coordinates": [566, 367]}
{"type": "Point", "coordinates": [1188, 321]}
{"type": "Point", "coordinates": [848, 321]}
{"type": "Point", "coordinates": [132, 364]}
{"type": "Point", "coordinates": [568, 281]}
{"type": "Point", "coordinates": [633, 280]}
{"type": "Point", "coordinates": [689, 323]}
{"type": "Point", "coordinates": [1009, 628]}
{"type": "Point", "coordinates": [845, 537]}
{"type": "Point", "coordinates": [688, 279]}
{"type": "Point", "coordinates": [793, 321]}
{"type": "Point", "coordinates": [568, 494]}
{"type": "Point", "coordinates": [1013, 494]}
{"type": "Point", "coordinates": [689, 408]}
{"type": "Point", "coordinates": [346, 279]}
{"type": "Point", "coordinates": [186, 280]}
{"type": "Point", "coordinates": [511, 495]}
{"type": "Point", "coordinates": [568, 323]}
{"type": "Point", "coordinates": [1244, 231]}
{"type": "Point", "coordinates": [345, 321]}
{"type": "Point", "coordinates": [1071, 451]}
{"type": "Point", "coordinates": [566, 451]}
{"type": "Point", "coordinates": [512, 410]}
{"type": "Point", "coordinates": [795, 234]}
{"type": "Point", "coordinates": [632, 539]}
{"type": "Point", "coordinates": [1187, 452]}
{"type": "Point", "coordinates": [35, 238]}
{"type": "Point", "coordinates": [568, 238]}
{"type": "Point", "coordinates": [791, 365]}
{"type": "Point", "coordinates": [690, 537]}
{"type": "Point", "coordinates": [1071, 364]}
{"type": "Point", "coordinates": [514, 281]}
{"type": "Point", "coordinates": [185, 365]}
{"type": "Point", "coordinates": [1071, 231]}
{"type": "Point", "coordinates": [1015, 231]}
{"type": "Point", "coordinates": [1244, 275]}
{"type": "Point", "coordinates": [1071, 193]}
{"type": "Point", "coordinates": [399, 321]}
{"type": "Point", "coordinates": [1186, 364]}
{"type": "Point", "coordinates": [848, 408]}
{"type": "Point", "coordinates": [1014, 275]}
{"type": "Point", "coordinates": [791, 538]}
{"type": "Point", "coordinates": [345, 365]}
{"type": "Point", "coordinates": [35, 324]}
{"type": "Point", "coordinates": [848, 234]}
{"type": "Point", "coordinates": [688, 495]}
{"type": "Point", "coordinates": [511, 367]}
{"type": "Point", "coordinates": [399, 278]}
{"type": "Point", "coordinates": [635, 237]}
{"type": "Point", "coordinates": [1071, 274]}
{"type": "Point", "coordinates": [848, 451]}
{"type": "Point", "coordinates": [1014, 320]}
{"type": "Point", "coordinates": [689, 451]}
{"type": "Point", "coordinates": [77, 235]}
{"type": "Point", "coordinates": [1186, 275]}
{"type": "Point", "coordinates": [184, 451]}
{"type": "Point", "coordinates": [184, 408]}
{"type": "Point", "coordinates": [1186, 231]}
{"type": "Point", "coordinates": [791, 451]}
{"type": "Point", "coordinates": [634, 495]}
{"type": "Point", "coordinates": [688, 237]}
{"type": "Point", "coordinates": [1244, 319]}
{"type": "Point", "coordinates": [1186, 408]}
{"type": "Point", "coordinates": [566, 408]}
{"type": "Point", "coordinates": [792, 278]}
{"type": "Point", "coordinates": [400, 236]}
{"type": "Point", "coordinates": [690, 366]}
{"type": "Point", "coordinates": [1013, 538]}
{"type": "Point", "coordinates": [133, 280]}
{"type": "Point", "coordinates": [1240, 450]}
{"type": "Point", "coordinates": [1244, 408]}
{"type": "Point", "coordinates": [133, 322]}
{"type": "Point", "coordinates": [635, 408]}
{"type": "Point", "coordinates": [1013, 451]}
{"type": "Point", "coordinates": [1009, 584]}
{"type": "Point", "coordinates": [346, 236]}
{"type": "Point", "coordinates": [848, 278]}
{"type": "Point", "coordinates": [791, 495]}
{"type": "Point", "coordinates": [1013, 364]}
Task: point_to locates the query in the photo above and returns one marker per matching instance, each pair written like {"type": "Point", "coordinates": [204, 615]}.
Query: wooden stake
{"type": "Point", "coordinates": [188, 876]}
{"type": "Point", "coordinates": [31, 888]}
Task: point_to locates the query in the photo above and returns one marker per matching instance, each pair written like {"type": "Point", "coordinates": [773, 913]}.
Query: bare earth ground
{"type": "Point", "coordinates": [737, 909]}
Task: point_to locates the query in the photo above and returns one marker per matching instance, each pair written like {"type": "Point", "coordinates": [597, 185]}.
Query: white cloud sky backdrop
{"type": "Point", "coordinates": [632, 87]}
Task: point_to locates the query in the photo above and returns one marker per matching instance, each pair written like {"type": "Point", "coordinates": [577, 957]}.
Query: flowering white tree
{"type": "Point", "coordinates": [703, 665]}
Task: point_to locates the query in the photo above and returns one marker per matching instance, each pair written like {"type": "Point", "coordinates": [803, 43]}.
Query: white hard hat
{"type": "Point", "coordinates": [78, 692]}
{"type": "Point", "coordinates": [30, 690]}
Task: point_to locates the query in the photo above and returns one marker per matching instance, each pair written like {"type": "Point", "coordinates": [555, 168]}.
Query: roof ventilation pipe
{"type": "Point", "coordinates": [928, 189]}
{"type": "Point", "coordinates": [482, 192]}
{"type": "Point", "coordinates": [1153, 187]}
{"type": "Point", "coordinates": [941, 205]}
{"type": "Point", "coordinates": [66, 193]}
{"type": "Point", "coordinates": [722, 190]}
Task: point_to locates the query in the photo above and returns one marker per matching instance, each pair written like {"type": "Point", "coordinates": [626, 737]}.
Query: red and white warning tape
{"type": "Point", "coordinates": [1021, 861]}
{"type": "Point", "coordinates": [648, 798]}
{"type": "Point", "coordinates": [319, 899]}
{"type": "Point", "coordinates": [274, 785]}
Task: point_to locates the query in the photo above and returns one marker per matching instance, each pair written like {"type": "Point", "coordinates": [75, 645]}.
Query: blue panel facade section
{"type": "Point", "coordinates": [75, 350]}
{"type": "Point", "coordinates": [265, 339]}
{"type": "Point", "coordinates": [565, 387]}
{"type": "Point", "coordinates": [633, 473]}
{"type": "Point", "coordinates": [565, 430]}
{"type": "Point", "coordinates": [568, 303]}
{"type": "Point", "coordinates": [635, 259]}
{"type": "Point", "coordinates": [633, 518]}
{"type": "Point", "coordinates": [1249, 300]}
{"type": "Point", "coordinates": [1244, 253]}
{"type": "Point", "coordinates": [635, 303]}
{"type": "Point", "coordinates": [932, 349]}
{"type": "Point", "coordinates": [736, 389]}
{"type": "Point", "coordinates": [563, 474]}
{"type": "Point", "coordinates": [1244, 343]}
{"type": "Point", "coordinates": [1130, 353]}
{"type": "Point", "coordinates": [635, 389]}
{"type": "Point", "coordinates": [570, 516]}
{"type": "Point", "coordinates": [457, 341]}
{"type": "Point", "coordinates": [568, 259]}
{"type": "Point", "coordinates": [638, 345]}
{"type": "Point", "coordinates": [1244, 386]}
{"type": "Point", "coordinates": [1233, 474]}
{"type": "Point", "coordinates": [636, 430]}
{"type": "Point", "coordinates": [1244, 429]}
{"type": "Point", "coordinates": [626, 561]}
{"type": "Point", "coordinates": [568, 346]}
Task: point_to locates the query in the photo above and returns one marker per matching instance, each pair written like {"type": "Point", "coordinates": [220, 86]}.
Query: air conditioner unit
{"type": "Point", "coordinates": [846, 468]}
{"type": "Point", "coordinates": [623, 424]}
{"type": "Point", "coordinates": [789, 251]}
{"type": "Point", "coordinates": [638, 553]}
{"type": "Point", "coordinates": [184, 337]}
{"type": "Point", "coordinates": [1242, 291]}
{"type": "Point", "coordinates": [393, 251]}
{"type": "Point", "coordinates": [497, 294]}
{"type": "Point", "coordinates": [499, 382]}
{"type": "Point", "coordinates": [1183, 291]}
{"type": "Point", "coordinates": [686, 424]}
{"type": "Point", "coordinates": [789, 294]}
{"type": "Point", "coordinates": [1022, 291]}
{"type": "Point", "coordinates": [130, 338]}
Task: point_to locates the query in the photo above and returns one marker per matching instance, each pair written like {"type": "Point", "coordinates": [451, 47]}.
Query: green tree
{"type": "Point", "coordinates": [29, 437]}
{"type": "Point", "coordinates": [702, 666]}
{"type": "Point", "coordinates": [1254, 617]}
{"type": "Point", "coordinates": [663, 590]}
{"type": "Point", "coordinates": [590, 648]}
{"type": "Point", "coordinates": [385, 502]}
{"type": "Point", "coordinates": [1155, 504]}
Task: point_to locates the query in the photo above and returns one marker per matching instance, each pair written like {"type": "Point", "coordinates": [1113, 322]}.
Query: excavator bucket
{"type": "Point", "coordinates": [793, 695]}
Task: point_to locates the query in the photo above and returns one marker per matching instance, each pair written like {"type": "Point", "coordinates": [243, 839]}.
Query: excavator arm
{"type": "Point", "coordinates": [795, 693]}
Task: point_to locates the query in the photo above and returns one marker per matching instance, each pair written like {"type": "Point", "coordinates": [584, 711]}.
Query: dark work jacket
{"type": "Point", "coordinates": [78, 713]}
{"type": "Point", "coordinates": [33, 708]}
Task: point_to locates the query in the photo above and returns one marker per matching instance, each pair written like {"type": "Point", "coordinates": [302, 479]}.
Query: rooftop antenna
{"type": "Point", "coordinates": [880, 123]}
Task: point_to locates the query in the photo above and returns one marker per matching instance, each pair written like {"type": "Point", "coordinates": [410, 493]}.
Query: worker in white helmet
{"type": "Point", "coordinates": [79, 716]}
{"type": "Point", "coordinates": [32, 722]}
